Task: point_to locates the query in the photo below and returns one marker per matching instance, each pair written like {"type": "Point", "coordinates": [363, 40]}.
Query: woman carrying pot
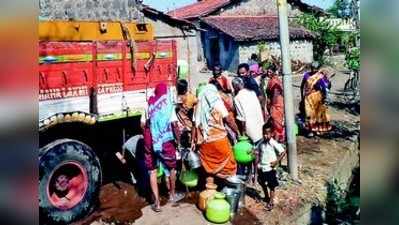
{"type": "Point", "coordinates": [210, 134]}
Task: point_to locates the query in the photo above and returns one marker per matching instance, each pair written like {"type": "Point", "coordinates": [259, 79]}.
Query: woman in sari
{"type": "Point", "coordinates": [315, 90]}
{"type": "Point", "coordinates": [162, 134]}
{"type": "Point", "coordinates": [228, 103]}
{"type": "Point", "coordinates": [186, 102]}
{"type": "Point", "coordinates": [215, 150]}
{"type": "Point", "coordinates": [275, 104]}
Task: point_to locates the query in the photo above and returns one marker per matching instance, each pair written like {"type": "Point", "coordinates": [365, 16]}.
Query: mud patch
{"type": "Point", "coordinates": [119, 203]}
{"type": "Point", "coordinates": [191, 198]}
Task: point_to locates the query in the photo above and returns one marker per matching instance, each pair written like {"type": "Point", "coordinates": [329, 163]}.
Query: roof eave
{"type": "Point", "coordinates": [184, 23]}
{"type": "Point", "coordinates": [206, 13]}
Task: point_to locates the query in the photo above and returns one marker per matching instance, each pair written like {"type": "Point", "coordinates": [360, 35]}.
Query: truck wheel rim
{"type": "Point", "coordinates": [67, 185]}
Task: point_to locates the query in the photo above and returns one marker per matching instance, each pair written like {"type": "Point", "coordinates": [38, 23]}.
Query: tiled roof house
{"type": "Point", "coordinates": [199, 9]}
{"type": "Point", "coordinates": [232, 29]}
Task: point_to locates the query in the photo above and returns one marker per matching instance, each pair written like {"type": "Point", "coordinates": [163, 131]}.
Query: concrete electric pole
{"type": "Point", "coordinates": [288, 95]}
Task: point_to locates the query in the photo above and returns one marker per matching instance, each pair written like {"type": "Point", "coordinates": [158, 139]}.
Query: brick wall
{"type": "Point", "coordinates": [106, 10]}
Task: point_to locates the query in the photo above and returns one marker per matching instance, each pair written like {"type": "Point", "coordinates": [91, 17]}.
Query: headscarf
{"type": "Point", "coordinates": [160, 110]}
{"type": "Point", "coordinates": [207, 100]}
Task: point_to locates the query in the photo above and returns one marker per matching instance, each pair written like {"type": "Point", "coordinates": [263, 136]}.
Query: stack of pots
{"type": "Point", "coordinates": [207, 194]}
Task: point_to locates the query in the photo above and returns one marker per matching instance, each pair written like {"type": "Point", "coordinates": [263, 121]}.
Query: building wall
{"type": "Point", "coordinates": [186, 42]}
{"type": "Point", "coordinates": [229, 54]}
{"type": "Point", "coordinates": [254, 8]}
{"type": "Point", "coordinates": [115, 10]}
{"type": "Point", "coordinates": [343, 24]}
{"type": "Point", "coordinates": [163, 29]}
{"type": "Point", "coordinates": [299, 50]}
{"type": "Point", "coordinates": [228, 50]}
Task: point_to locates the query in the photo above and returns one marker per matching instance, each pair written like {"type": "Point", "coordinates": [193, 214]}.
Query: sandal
{"type": "Point", "coordinates": [178, 197]}
{"type": "Point", "coordinates": [269, 206]}
{"type": "Point", "coordinates": [156, 208]}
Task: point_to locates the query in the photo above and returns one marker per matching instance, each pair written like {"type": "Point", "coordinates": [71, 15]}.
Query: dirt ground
{"type": "Point", "coordinates": [317, 158]}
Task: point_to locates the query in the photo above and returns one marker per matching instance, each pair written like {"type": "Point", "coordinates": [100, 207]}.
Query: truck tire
{"type": "Point", "coordinates": [69, 181]}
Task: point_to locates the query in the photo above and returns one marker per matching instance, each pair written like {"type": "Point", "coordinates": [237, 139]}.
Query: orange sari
{"type": "Point", "coordinates": [275, 107]}
{"type": "Point", "coordinates": [217, 158]}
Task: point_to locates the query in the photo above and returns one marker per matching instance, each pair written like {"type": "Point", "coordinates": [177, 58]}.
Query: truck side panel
{"type": "Point", "coordinates": [76, 75]}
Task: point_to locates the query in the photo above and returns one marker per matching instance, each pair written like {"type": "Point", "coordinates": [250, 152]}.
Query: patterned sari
{"type": "Point", "coordinates": [160, 111]}
{"type": "Point", "coordinates": [317, 118]}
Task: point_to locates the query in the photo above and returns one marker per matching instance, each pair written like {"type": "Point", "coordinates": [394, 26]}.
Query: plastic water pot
{"type": "Point", "coordinates": [200, 87]}
{"type": "Point", "coordinates": [189, 178]}
{"type": "Point", "coordinates": [183, 68]}
{"type": "Point", "coordinates": [208, 194]}
{"type": "Point", "coordinates": [296, 129]}
{"type": "Point", "coordinates": [160, 171]}
{"type": "Point", "coordinates": [243, 150]}
{"type": "Point", "coordinates": [218, 209]}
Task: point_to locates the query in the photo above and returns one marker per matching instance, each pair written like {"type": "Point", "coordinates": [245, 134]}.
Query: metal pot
{"type": "Point", "coordinates": [233, 197]}
{"type": "Point", "coordinates": [192, 160]}
{"type": "Point", "coordinates": [236, 183]}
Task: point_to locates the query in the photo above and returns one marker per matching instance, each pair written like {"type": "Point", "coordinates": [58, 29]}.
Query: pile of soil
{"type": "Point", "coordinates": [119, 203]}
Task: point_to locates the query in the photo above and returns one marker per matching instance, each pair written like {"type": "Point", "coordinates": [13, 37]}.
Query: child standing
{"type": "Point", "coordinates": [270, 153]}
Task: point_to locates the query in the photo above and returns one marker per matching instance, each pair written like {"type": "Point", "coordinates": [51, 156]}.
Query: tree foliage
{"type": "Point", "coordinates": [336, 8]}
{"type": "Point", "coordinates": [343, 8]}
{"type": "Point", "coordinates": [352, 59]}
{"type": "Point", "coordinates": [326, 34]}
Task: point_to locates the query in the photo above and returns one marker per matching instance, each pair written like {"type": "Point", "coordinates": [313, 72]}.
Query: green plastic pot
{"type": "Point", "coordinates": [296, 129]}
{"type": "Point", "coordinates": [200, 87]}
{"type": "Point", "coordinates": [160, 171]}
{"type": "Point", "coordinates": [183, 69]}
{"type": "Point", "coordinates": [218, 209]}
{"type": "Point", "coordinates": [243, 150]}
{"type": "Point", "coordinates": [189, 178]}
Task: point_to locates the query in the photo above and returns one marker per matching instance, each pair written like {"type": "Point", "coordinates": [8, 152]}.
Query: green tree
{"type": "Point", "coordinates": [352, 59]}
{"type": "Point", "coordinates": [344, 8]}
{"type": "Point", "coordinates": [337, 8]}
{"type": "Point", "coordinates": [326, 34]}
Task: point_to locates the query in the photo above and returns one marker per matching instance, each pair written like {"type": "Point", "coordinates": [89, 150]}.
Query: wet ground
{"type": "Point", "coordinates": [120, 204]}
{"type": "Point", "coordinates": [317, 159]}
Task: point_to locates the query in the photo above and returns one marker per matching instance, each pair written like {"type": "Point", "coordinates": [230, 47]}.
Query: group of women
{"type": "Point", "coordinates": [207, 120]}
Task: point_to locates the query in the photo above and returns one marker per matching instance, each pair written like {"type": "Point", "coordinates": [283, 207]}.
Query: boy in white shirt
{"type": "Point", "coordinates": [269, 155]}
